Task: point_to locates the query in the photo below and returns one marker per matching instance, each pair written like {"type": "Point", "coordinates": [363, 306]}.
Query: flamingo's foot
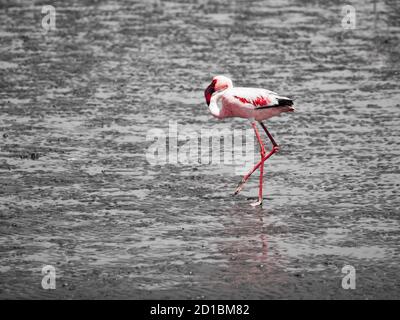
{"type": "Point", "coordinates": [256, 204]}
{"type": "Point", "coordinates": [239, 187]}
{"type": "Point", "coordinates": [276, 149]}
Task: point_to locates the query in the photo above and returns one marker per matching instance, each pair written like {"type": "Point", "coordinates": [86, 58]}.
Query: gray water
{"type": "Point", "coordinates": [78, 193]}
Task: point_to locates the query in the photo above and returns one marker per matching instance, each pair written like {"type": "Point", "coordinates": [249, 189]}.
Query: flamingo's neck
{"type": "Point", "coordinates": [215, 110]}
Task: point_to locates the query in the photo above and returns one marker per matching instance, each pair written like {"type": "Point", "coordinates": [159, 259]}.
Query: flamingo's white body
{"type": "Point", "coordinates": [225, 101]}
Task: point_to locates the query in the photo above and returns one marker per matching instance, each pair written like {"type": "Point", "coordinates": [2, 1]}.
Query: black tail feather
{"type": "Point", "coordinates": [282, 102]}
{"type": "Point", "coordinates": [285, 102]}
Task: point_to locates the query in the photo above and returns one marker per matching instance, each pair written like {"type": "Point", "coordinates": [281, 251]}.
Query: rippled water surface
{"type": "Point", "coordinates": [78, 193]}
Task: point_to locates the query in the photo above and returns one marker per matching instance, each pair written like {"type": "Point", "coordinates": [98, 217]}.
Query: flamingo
{"type": "Point", "coordinates": [226, 101]}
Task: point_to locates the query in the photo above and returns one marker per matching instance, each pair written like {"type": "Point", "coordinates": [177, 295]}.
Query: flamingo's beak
{"type": "Point", "coordinates": [209, 91]}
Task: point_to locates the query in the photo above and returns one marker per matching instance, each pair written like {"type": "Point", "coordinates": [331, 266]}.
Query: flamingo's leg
{"type": "Point", "coordinates": [247, 176]}
{"type": "Point", "coordinates": [260, 189]}
{"type": "Point", "coordinates": [262, 154]}
{"type": "Point", "coordinates": [263, 159]}
{"type": "Point", "coordinates": [271, 138]}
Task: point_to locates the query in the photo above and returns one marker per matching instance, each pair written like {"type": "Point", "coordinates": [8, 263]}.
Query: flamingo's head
{"type": "Point", "coordinates": [218, 83]}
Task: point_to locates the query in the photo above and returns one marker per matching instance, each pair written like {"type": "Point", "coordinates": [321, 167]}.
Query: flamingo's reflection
{"type": "Point", "coordinates": [250, 260]}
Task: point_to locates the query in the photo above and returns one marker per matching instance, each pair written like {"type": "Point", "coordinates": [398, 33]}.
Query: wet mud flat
{"type": "Point", "coordinates": [77, 192]}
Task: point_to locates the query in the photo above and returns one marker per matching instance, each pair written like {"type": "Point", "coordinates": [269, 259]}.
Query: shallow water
{"type": "Point", "coordinates": [78, 193]}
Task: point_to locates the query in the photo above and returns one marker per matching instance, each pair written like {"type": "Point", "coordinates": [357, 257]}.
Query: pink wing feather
{"type": "Point", "coordinates": [255, 98]}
